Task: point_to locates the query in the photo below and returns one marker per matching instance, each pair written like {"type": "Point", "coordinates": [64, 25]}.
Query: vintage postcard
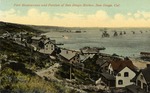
{"type": "Point", "coordinates": [74, 46]}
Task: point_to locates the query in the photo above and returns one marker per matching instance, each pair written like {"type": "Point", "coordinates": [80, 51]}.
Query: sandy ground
{"type": "Point", "coordinates": [50, 72]}
{"type": "Point", "coordinates": [140, 64]}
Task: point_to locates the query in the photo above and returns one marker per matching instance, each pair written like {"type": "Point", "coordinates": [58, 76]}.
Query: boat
{"type": "Point", "coordinates": [124, 32]}
{"type": "Point", "coordinates": [120, 33]}
{"type": "Point", "coordinates": [77, 31]}
{"type": "Point", "coordinates": [133, 32]}
{"type": "Point", "coordinates": [115, 33]}
{"type": "Point", "coordinates": [105, 34]}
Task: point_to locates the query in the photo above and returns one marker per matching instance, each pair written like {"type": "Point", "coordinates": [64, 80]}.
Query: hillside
{"type": "Point", "coordinates": [14, 28]}
{"type": "Point", "coordinates": [17, 70]}
{"type": "Point", "coordinates": [47, 28]}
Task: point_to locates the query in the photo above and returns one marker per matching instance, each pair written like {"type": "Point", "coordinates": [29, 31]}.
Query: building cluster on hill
{"type": "Point", "coordinates": [116, 73]}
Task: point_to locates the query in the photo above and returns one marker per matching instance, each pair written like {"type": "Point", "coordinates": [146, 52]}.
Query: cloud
{"type": "Point", "coordinates": [137, 15]}
{"type": "Point", "coordinates": [99, 19]}
{"type": "Point", "coordinates": [145, 14]}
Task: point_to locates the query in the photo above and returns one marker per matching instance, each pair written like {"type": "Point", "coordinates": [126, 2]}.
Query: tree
{"type": "Point", "coordinates": [29, 40]}
{"type": "Point", "coordinates": [41, 44]}
{"type": "Point", "coordinates": [57, 50]}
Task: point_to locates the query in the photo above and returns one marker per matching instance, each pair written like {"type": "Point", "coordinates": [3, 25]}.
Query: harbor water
{"type": "Point", "coordinates": [129, 44]}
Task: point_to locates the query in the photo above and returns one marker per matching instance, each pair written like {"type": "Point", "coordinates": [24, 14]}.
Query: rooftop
{"type": "Point", "coordinates": [108, 76]}
{"type": "Point", "coordinates": [146, 74]}
{"type": "Point", "coordinates": [119, 64]}
{"type": "Point", "coordinates": [102, 60]}
{"type": "Point", "coordinates": [134, 89]}
{"type": "Point", "coordinates": [89, 50]}
{"type": "Point", "coordinates": [85, 57]}
{"type": "Point", "coordinates": [49, 40]}
{"type": "Point", "coordinates": [36, 38]}
{"type": "Point", "coordinates": [68, 54]}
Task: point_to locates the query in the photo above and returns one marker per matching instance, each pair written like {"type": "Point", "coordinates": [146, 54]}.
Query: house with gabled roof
{"type": "Point", "coordinates": [47, 46]}
{"type": "Point", "coordinates": [83, 57]}
{"type": "Point", "coordinates": [43, 45]}
{"type": "Point", "coordinates": [142, 79]}
{"type": "Point", "coordinates": [134, 89]}
{"type": "Point", "coordinates": [122, 70]}
{"type": "Point", "coordinates": [70, 56]}
{"type": "Point", "coordinates": [36, 40]}
{"type": "Point", "coordinates": [89, 50]}
{"type": "Point", "coordinates": [103, 62]}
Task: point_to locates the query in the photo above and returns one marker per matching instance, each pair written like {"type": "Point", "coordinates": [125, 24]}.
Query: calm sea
{"type": "Point", "coordinates": [128, 44]}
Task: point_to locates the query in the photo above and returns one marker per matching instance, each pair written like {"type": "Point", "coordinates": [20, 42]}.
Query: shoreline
{"type": "Point", "coordinates": [140, 64]}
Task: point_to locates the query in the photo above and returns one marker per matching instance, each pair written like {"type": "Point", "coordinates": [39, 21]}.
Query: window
{"type": "Point", "coordinates": [148, 87]}
{"type": "Point", "coordinates": [119, 74]}
{"type": "Point", "coordinates": [52, 46]}
{"type": "Point", "coordinates": [126, 74]}
{"type": "Point", "coordinates": [109, 71]}
{"type": "Point", "coordinates": [139, 83]}
{"type": "Point", "coordinates": [120, 82]}
{"type": "Point", "coordinates": [46, 45]}
{"type": "Point", "coordinates": [141, 76]}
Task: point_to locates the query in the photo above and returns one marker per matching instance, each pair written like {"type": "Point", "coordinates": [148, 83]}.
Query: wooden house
{"type": "Point", "coordinates": [70, 56]}
{"type": "Point", "coordinates": [122, 70]}
{"type": "Point", "coordinates": [143, 79]}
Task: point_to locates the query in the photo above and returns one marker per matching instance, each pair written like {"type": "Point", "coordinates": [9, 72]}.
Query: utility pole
{"type": "Point", "coordinates": [31, 51]}
{"type": "Point", "coordinates": [30, 55]}
{"type": "Point", "coordinates": [70, 71]}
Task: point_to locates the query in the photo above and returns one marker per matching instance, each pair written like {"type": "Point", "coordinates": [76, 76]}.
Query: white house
{"type": "Point", "coordinates": [48, 47]}
{"type": "Point", "coordinates": [143, 79]}
{"type": "Point", "coordinates": [124, 77]}
{"type": "Point", "coordinates": [43, 45]}
{"type": "Point", "coordinates": [123, 71]}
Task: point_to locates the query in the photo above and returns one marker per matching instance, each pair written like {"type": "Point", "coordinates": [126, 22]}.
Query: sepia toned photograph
{"type": "Point", "coordinates": [74, 46]}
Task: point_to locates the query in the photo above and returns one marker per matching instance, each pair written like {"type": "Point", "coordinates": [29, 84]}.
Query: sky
{"type": "Point", "coordinates": [77, 13]}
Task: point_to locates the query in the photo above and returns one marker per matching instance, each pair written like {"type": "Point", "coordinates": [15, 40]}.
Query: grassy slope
{"type": "Point", "coordinates": [23, 54]}
{"type": "Point", "coordinates": [18, 77]}
{"type": "Point", "coordinates": [11, 27]}
{"type": "Point", "coordinates": [16, 81]}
